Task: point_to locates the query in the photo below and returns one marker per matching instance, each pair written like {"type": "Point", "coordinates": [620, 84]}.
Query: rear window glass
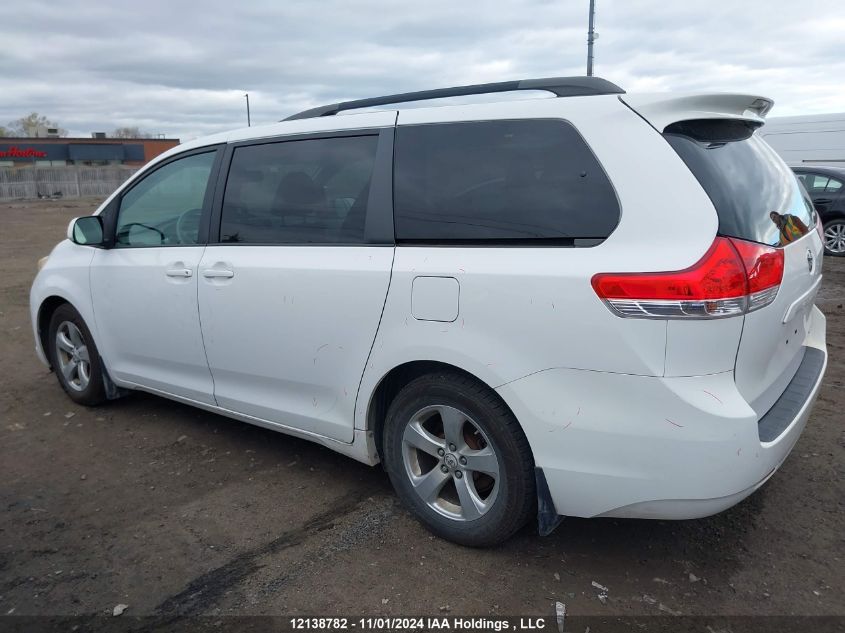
{"type": "Point", "coordinates": [756, 195]}
{"type": "Point", "coordinates": [499, 181]}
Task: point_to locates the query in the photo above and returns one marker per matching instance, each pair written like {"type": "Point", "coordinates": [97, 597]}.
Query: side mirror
{"type": "Point", "coordinates": [87, 231]}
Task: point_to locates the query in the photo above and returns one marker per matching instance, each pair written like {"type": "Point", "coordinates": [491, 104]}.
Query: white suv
{"type": "Point", "coordinates": [591, 304]}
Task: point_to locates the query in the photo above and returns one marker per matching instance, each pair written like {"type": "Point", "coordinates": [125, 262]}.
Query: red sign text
{"type": "Point", "coordinates": [29, 152]}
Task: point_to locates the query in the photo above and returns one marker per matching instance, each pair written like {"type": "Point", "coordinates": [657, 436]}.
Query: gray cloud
{"type": "Point", "coordinates": [181, 68]}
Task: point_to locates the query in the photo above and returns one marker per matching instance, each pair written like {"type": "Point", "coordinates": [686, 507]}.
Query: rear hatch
{"type": "Point", "coordinates": [758, 199]}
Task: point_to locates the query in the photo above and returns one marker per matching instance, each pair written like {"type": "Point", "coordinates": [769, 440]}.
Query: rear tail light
{"type": "Point", "coordinates": [733, 277]}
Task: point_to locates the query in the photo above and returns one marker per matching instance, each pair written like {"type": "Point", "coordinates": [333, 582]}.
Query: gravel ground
{"type": "Point", "coordinates": [173, 510]}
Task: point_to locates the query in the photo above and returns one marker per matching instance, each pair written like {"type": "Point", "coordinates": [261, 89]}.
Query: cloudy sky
{"type": "Point", "coordinates": [181, 67]}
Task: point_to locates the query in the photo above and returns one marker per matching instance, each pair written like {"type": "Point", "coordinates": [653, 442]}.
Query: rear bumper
{"type": "Point", "coordinates": [666, 448]}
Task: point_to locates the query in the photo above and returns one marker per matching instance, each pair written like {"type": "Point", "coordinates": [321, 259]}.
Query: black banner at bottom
{"type": "Point", "coordinates": [420, 624]}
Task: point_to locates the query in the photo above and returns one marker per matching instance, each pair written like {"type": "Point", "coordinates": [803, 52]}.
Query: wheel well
{"type": "Point", "coordinates": [45, 313]}
{"type": "Point", "coordinates": [392, 384]}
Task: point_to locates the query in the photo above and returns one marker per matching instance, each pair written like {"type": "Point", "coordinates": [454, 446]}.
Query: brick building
{"type": "Point", "coordinates": [50, 152]}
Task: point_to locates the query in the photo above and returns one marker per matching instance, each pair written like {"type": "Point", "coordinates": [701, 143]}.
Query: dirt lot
{"type": "Point", "coordinates": [172, 510]}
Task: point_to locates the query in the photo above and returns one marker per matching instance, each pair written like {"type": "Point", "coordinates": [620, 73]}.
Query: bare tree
{"type": "Point", "coordinates": [130, 132]}
{"type": "Point", "coordinates": [32, 124]}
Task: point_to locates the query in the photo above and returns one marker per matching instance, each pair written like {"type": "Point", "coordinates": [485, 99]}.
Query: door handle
{"type": "Point", "coordinates": [179, 272]}
{"type": "Point", "coordinates": [211, 273]}
{"type": "Point", "coordinates": [822, 200]}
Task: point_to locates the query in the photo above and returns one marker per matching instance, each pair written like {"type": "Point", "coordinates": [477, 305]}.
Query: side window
{"type": "Point", "coordinates": [312, 191]}
{"type": "Point", "coordinates": [499, 181]}
{"type": "Point", "coordinates": [833, 185]}
{"type": "Point", "coordinates": [165, 208]}
{"type": "Point", "coordinates": [817, 183]}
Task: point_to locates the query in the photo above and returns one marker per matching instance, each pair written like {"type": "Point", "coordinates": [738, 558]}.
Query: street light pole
{"type": "Point", "coordinates": [591, 37]}
{"type": "Point", "coordinates": [248, 122]}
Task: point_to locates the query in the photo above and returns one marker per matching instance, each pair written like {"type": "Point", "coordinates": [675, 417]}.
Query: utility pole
{"type": "Point", "coordinates": [591, 37]}
{"type": "Point", "coordinates": [248, 122]}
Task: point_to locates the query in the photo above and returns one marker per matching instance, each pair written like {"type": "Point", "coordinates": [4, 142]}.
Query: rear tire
{"type": "Point", "coordinates": [459, 460]}
{"type": "Point", "coordinates": [74, 357]}
{"type": "Point", "coordinates": [834, 237]}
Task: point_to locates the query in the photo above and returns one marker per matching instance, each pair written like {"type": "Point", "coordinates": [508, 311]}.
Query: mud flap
{"type": "Point", "coordinates": [547, 518]}
{"type": "Point", "coordinates": [113, 392]}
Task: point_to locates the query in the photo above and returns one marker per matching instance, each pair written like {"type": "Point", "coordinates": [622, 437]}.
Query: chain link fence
{"type": "Point", "coordinates": [65, 182]}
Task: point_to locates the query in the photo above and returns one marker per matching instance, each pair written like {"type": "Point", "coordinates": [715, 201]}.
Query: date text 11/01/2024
{"type": "Point", "coordinates": [418, 623]}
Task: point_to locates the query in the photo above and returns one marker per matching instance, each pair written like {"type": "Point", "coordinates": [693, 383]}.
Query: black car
{"type": "Point", "coordinates": [826, 186]}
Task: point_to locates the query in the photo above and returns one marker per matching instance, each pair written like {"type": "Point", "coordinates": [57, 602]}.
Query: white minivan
{"type": "Point", "coordinates": [589, 304]}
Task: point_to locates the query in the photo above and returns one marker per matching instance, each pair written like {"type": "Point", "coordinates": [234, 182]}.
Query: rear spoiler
{"type": "Point", "coordinates": [663, 109]}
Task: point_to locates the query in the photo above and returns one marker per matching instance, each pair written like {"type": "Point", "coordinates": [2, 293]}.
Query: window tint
{"type": "Point", "coordinates": [294, 192]}
{"type": "Point", "coordinates": [818, 183]}
{"type": "Point", "coordinates": [756, 195]}
{"type": "Point", "coordinates": [165, 207]}
{"type": "Point", "coordinates": [499, 181]}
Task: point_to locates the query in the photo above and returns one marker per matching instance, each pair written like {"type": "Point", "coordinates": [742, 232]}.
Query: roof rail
{"type": "Point", "coordinates": [560, 86]}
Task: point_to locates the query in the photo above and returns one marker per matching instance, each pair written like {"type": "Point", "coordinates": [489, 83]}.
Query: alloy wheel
{"type": "Point", "coordinates": [834, 237]}
{"type": "Point", "coordinates": [451, 463]}
{"type": "Point", "coordinates": [73, 357]}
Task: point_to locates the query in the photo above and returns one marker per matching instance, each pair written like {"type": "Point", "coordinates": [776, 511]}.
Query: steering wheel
{"type": "Point", "coordinates": [188, 226]}
{"type": "Point", "coordinates": [123, 233]}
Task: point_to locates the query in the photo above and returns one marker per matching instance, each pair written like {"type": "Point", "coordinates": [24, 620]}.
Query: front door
{"type": "Point", "coordinates": [145, 287]}
{"type": "Point", "coordinates": [291, 295]}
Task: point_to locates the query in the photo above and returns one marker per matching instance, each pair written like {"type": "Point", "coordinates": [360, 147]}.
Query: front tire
{"type": "Point", "coordinates": [834, 237]}
{"type": "Point", "coordinates": [74, 357]}
{"type": "Point", "coordinates": [459, 460]}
